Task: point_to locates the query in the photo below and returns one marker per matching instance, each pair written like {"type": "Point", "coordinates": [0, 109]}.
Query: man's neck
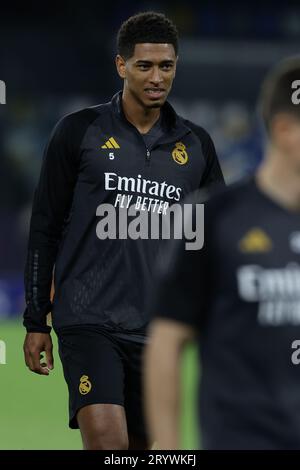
{"type": "Point", "coordinates": [142, 118]}
{"type": "Point", "coordinates": [278, 180]}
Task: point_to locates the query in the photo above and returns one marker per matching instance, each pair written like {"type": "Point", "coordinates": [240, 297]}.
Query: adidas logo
{"type": "Point", "coordinates": [256, 240]}
{"type": "Point", "coordinates": [111, 143]}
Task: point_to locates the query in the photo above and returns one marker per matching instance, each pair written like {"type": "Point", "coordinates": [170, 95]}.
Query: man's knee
{"type": "Point", "coordinates": [103, 427]}
{"type": "Point", "coordinates": [105, 439]}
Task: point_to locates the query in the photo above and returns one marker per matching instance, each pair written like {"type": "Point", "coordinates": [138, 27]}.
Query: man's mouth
{"type": "Point", "coordinates": [154, 93]}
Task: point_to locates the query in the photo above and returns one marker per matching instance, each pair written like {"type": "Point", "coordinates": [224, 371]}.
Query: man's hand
{"type": "Point", "coordinates": [34, 345]}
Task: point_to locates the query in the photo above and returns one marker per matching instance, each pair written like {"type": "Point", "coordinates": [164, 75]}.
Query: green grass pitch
{"type": "Point", "coordinates": [34, 409]}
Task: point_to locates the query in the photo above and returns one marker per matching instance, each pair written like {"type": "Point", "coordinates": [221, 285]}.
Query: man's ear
{"type": "Point", "coordinates": [121, 68]}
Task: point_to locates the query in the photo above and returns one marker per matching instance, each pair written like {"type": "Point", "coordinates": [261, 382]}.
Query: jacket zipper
{"type": "Point", "coordinates": [148, 156]}
{"type": "Point", "coordinates": [148, 152]}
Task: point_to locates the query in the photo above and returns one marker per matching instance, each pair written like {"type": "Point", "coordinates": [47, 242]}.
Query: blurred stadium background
{"type": "Point", "coordinates": [59, 57]}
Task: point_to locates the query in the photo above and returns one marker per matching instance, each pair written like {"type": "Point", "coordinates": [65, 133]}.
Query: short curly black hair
{"type": "Point", "coordinates": [149, 27]}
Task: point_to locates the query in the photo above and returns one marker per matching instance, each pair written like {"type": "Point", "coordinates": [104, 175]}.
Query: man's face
{"type": "Point", "coordinates": [148, 75]}
{"type": "Point", "coordinates": [286, 134]}
{"type": "Point", "coordinates": [295, 144]}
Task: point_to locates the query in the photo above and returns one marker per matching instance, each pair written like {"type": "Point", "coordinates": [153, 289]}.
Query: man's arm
{"type": "Point", "coordinates": [51, 208]}
{"type": "Point", "coordinates": [51, 204]}
{"type": "Point", "coordinates": [162, 380]}
{"type": "Point", "coordinates": [212, 177]}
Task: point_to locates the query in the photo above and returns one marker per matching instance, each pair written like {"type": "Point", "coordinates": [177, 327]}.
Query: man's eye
{"type": "Point", "coordinates": [166, 66]}
{"type": "Point", "coordinates": [143, 67]}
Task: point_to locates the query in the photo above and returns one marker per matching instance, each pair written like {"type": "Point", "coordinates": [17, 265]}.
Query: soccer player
{"type": "Point", "coordinates": [133, 149]}
{"type": "Point", "coordinates": [240, 297]}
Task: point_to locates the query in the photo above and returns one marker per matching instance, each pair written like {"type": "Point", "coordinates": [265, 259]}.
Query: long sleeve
{"type": "Point", "coordinates": [212, 177]}
{"type": "Point", "coordinates": [51, 207]}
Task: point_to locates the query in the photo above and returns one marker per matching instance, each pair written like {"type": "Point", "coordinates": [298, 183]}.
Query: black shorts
{"type": "Point", "coordinates": [103, 367]}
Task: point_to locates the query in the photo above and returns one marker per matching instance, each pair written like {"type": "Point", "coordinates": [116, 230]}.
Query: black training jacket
{"type": "Point", "coordinates": [95, 156]}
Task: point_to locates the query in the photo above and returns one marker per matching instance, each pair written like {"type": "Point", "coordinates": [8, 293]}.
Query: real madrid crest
{"type": "Point", "coordinates": [179, 154]}
{"type": "Point", "coordinates": [85, 385]}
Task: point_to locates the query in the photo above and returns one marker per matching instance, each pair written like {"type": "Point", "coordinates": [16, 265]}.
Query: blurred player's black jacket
{"type": "Point", "coordinates": [241, 292]}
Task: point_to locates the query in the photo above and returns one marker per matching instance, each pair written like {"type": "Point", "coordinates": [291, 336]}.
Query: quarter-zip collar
{"type": "Point", "coordinates": [175, 127]}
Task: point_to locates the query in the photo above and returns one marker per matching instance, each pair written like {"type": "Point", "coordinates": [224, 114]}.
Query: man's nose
{"type": "Point", "coordinates": [156, 77]}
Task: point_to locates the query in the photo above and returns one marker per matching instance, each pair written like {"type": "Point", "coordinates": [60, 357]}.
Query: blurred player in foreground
{"type": "Point", "coordinates": [133, 149]}
{"type": "Point", "coordinates": [240, 297]}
